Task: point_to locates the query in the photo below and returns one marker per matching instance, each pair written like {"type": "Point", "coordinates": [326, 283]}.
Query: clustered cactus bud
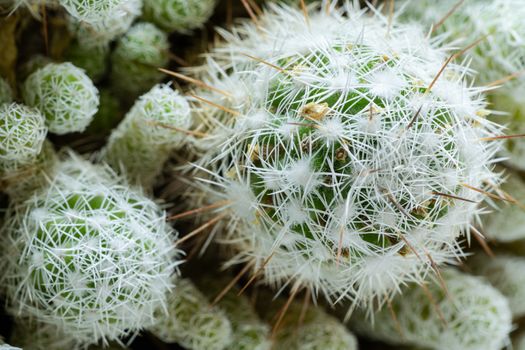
{"type": "Point", "coordinates": [87, 255]}
{"type": "Point", "coordinates": [6, 95]}
{"type": "Point", "coordinates": [469, 314]}
{"type": "Point", "coordinates": [137, 57]}
{"type": "Point", "coordinates": [103, 21]}
{"type": "Point", "coordinates": [190, 320]}
{"type": "Point", "coordinates": [22, 134]}
{"type": "Point", "coordinates": [507, 222]}
{"type": "Point", "coordinates": [249, 332]}
{"type": "Point", "coordinates": [143, 141]}
{"type": "Point", "coordinates": [504, 272]}
{"type": "Point", "coordinates": [93, 59]}
{"type": "Point", "coordinates": [305, 326]}
{"type": "Point", "coordinates": [64, 94]}
{"type": "Point", "coordinates": [500, 53]}
{"type": "Point", "coordinates": [343, 146]}
{"type": "Point", "coordinates": [178, 15]}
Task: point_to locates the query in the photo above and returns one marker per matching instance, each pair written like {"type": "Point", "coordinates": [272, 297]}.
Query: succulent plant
{"type": "Point", "coordinates": [101, 28]}
{"type": "Point", "coordinates": [249, 332]}
{"type": "Point", "coordinates": [473, 315]}
{"type": "Point", "coordinates": [178, 15]}
{"type": "Point", "coordinates": [504, 273]}
{"type": "Point", "coordinates": [143, 141]}
{"type": "Point", "coordinates": [93, 59]}
{"type": "Point", "coordinates": [498, 56]}
{"type": "Point", "coordinates": [22, 134]}
{"type": "Point", "coordinates": [305, 326]}
{"type": "Point", "coordinates": [347, 150]}
{"type": "Point", "coordinates": [88, 255]}
{"type": "Point", "coordinates": [190, 320]}
{"type": "Point", "coordinates": [506, 223]}
{"type": "Point", "coordinates": [6, 95]}
{"type": "Point", "coordinates": [136, 59]}
{"type": "Point", "coordinates": [64, 94]}
{"type": "Point", "coordinates": [94, 12]}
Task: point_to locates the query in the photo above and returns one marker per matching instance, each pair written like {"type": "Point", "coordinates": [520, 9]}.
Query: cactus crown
{"type": "Point", "coordinates": [88, 254]}
{"type": "Point", "coordinates": [346, 158]}
{"type": "Point", "coordinates": [22, 133]}
{"type": "Point", "coordinates": [64, 94]}
{"type": "Point", "coordinates": [178, 15]}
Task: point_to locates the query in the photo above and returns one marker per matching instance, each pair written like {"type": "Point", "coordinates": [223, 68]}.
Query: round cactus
{"type": "Point", "coordinates": [191, 322]}
{"type": "Point", "coordinates": [178, 15]}
{"type": "Point", "coordinates": [88, 255]}
{"type": "Point", "coordinates": [348, 160]}
{"type": "Point", "coordinates": [93, 59]}
{"type": "Point", "coordinates": [504, 273]}
{"type": "Point", "coordinates": [136, 59]}
{"type": "Point", "coordinates": [249, 332]}
{"type": "Point", "coordinates": [143, 141]}
{"type": "Point", "coordinates": [64, 94]}
{"type": "Point", "coordinates": [102, 29]}
{"type": "Point", "coordinates": [22, 133]}
{"type": "Point", "coordinates": [507, 223]}
{"type": "Point", "coordinates": [474, 316]}
{"type": "Point", "coordinates": [6, 95]}
{"type": "Point", "coordinates": [500, 55]}
{"type": "Point", "coordinates": [306, 327]}
{"type": "Point", "coordinates": [94, 12]}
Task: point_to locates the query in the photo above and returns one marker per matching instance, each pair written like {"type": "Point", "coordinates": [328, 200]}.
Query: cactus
{"type": "Point", "coordinates": [507, 224]}
{"type": "Point", "coordinates": [93, 58]}
{"type": "Point", "coordinates": [88, 255]}
{"type": "Point", "coordinates": [64, 94]}
{"type": "Point", "coordinates": [141, 147]}
{"type": "Point", "coordinates": [22, 134]}
{"type": "Point", "coordinates": [305, 327]}
{"type": "Point", "coordinates": [138, 55]}
{"type": "Point", "coordinates": [474, 316]}
{"type": "Point", "coordinates": [101, 29]}
{"type": "Point", "coordinates": [6, 95]}
{"type": "Point", "coordinates": [500, 54]}
{"type": "Point", "coordinates": [109, 113]}
{"type": "Point", "coordinates": [178, 15]}
{"type": "Point", "coordinates": [346, 158]}
{"type": "Point", "coordinates": [248, 331]}
{"type": "Point", "coordinates": [191, 322]}
{"type": "Point", "coordinates": [504, 273]}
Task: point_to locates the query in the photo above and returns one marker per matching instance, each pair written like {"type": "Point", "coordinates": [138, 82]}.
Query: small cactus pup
{"type": "Point", "coordinates": [143, 141]}
{"type": "Point", "coordinates": [249, 332]}
{"type": "Point", "coordinates": [304, 326]}
{"type": "Point", "coordinates": [99, 29]}
{"type": "Point", "coordinates": [504, 272]}
{"type": "Point", "coordinates": [64, 94]}
{"type": "Point", "coordinates": [6, 94]}
{"type": "Point", "coordinates": [191, 321]}
{"type": "Point", "coordinates": [349, 152]}
{"type": "Point", "coordinates": [22, 135]}
{"type": "Point", "coordinates": [506, 223]}
{"type": "Point", "coordinates": [178, 15]}
{"type": "Point", "coordinates": [136, 59]}
{"type": "Point", "coordinates": [88, 255]}
{"type": "Point", "coordinates": [499, 57]}
{"type": "Point", "coordinates": [473, 316]}
{"type": "Point", "coordinates": [94, 59]}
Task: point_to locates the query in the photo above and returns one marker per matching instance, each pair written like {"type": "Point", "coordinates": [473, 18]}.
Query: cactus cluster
{"type": "Point", "coordinates": [347, 148]}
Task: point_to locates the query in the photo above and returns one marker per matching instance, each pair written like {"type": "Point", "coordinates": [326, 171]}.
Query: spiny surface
{"type": "Point", "coordinates": [178, 15]}
{"type": "Point", "coordinates": [343, 146]}
{"type": "Point", "coordinates": [190, 320]}
{"type": "Point", "coordinates": [64, 94]}
{"type": "Point", "coordinates": [88, 255]}
{"type": "Point", "coordinates": [473, 316]}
